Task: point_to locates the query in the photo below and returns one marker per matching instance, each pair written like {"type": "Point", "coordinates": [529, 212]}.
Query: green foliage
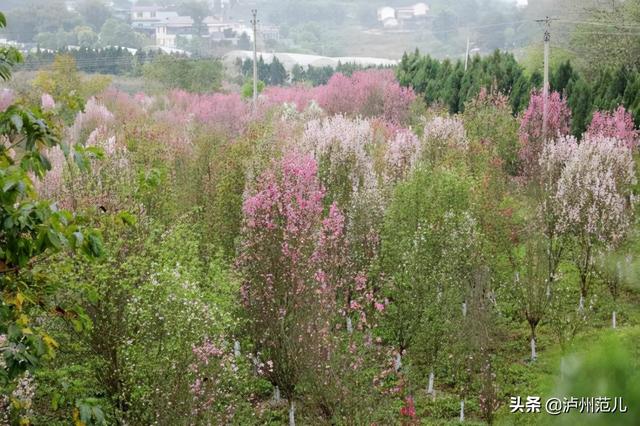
{"type": "Point", "coordinates": [9, 57]}
{"type": "Point", "coordinates": [70, 91]}
{"type": "Point", "coordinates": [30, 230]}
{"type": "Point", "coordinates": [422, 261]}
{"type": "Point", "coordinates": [247, 88]}
{"type": "Point", "coordinates": [488, 119]}
{"type": "Point", "coordinates": [117, 33]}
{"type": "Point", "coordinates": [445, 83]}
{"type": "Point", "coordinates": [608, 369]}
{"type": "Point", "coordinates": [197, 10]}
{"type": "Point", "coordinates": [94, 12]}
{"type": "Point", "coordinates": [180, 73]}
{"type": "Point", "coordinates": [273, 74]}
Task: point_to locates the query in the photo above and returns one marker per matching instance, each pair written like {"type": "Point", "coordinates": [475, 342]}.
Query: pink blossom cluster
{"type": "Point", "coordinates": [345, 150]}
{"type": "Point", "coordinates": [7, 97]}
{"type": "Point", "coordinates": [50, 185]}
{"type": "Point", "coordinates": [617, 124]}
{"type": "Point", "coordinates": [373, 93]}
{"type": "Point", "coordinates": [300, 96]}
{"type": "Point", "coordinates": [532, 137]}
{"type": "Point", "coordinates": [211, 367]}
{"type": "Point", "coordinates": [47, 102]}
{"type": "Point", "coordinates": [447, 132]}
{"type": "Point", "coordinates": [223, 112]}
{"type": "Point", "coordinates": [288, 257]}
{"type": "Point", "coordinates": [206, 351]}
{"type": "Point", "coordinates": [408, 408]}
{"type": "Point", "coordinates": [593, 188]}
{"type": "Point", "coordinates": [403, 153]}
{"type": "Point", "coordinates": [96, 117]}
{"type": "Point", "coordinates": [343, 147]}
{"type": "Point", "coordinates": [127, 109]}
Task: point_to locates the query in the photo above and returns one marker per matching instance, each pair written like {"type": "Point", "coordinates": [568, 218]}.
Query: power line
{"type": "Point", "coordinates": [600, 33]}
{"type": "Point", "coordinates": [601, 23]}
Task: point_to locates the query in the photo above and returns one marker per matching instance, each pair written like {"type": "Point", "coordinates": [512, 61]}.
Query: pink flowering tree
{"type": "Point", "coordinates": [47, 103]}
{"type": "Point", "coordinates": [286, 262]}
{"type": "Point", "coordinates": [299, 96]}
{"type": "Point", "coordinates": [218, 111]}
{"type": "Point", "coordinates": [532, 130]}
{"type": "Point", "coordinates": [617, 124]}
{"type": "Point", "coordinates": [594, 200]}
{"type": "Point", "coordinates": [343, 149]}
{"type": "Point", "coordinates": [215, 374]}
{"type": "Point", "coordinates": [104, 183]}
{"type": "Point", "coordinates": [371, 93]}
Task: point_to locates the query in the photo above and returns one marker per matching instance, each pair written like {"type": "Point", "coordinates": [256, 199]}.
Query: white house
{"type": "Point", "coordinates": [418, 10]}
{"type": "Point", "coordinates": [146, 18]}
{"type": "Point", "coordinates": [393, 18]}
{"type": "Point", "coordinates": [168, 30]}
{"type": "Point", "coordinates": [385, 13]}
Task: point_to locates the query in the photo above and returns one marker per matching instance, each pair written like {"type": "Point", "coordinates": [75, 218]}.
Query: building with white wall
{"type": "Point", "coordinates": [146, 18]}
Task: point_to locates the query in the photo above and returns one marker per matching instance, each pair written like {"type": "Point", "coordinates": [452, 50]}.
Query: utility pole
{"type": "Point", "coordinates": [545, 89]}
{"type": "Point", "coordinates": [466, 57]}
{"type": "Point", "coordinates": [254, 22]}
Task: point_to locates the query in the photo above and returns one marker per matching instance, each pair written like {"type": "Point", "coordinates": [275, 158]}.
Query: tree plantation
{"type": "Point", "coordinates": [398, 246]}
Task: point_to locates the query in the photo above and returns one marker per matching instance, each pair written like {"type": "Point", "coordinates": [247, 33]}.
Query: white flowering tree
{"type": "Point", "coordinates": [594, 200]}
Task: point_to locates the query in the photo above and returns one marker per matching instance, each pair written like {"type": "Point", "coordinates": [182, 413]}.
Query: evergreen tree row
{"type": "Point", "coordinates": [275, 74]}
{"type": "Point", "coordinates": [112, 60]}
{"type": "Point", "coordinates": [446, 83]}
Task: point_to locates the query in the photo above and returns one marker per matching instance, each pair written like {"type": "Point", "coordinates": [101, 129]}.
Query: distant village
{"type": "Point", "coordinates": [164, 25]}
{"type": "Point", "coordinates": [403, 17]}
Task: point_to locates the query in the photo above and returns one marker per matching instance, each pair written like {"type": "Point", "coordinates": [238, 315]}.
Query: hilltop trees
{"type": "Point", "coordinates": [94, 13]}
{"type": "Point", "coordinates": [117, 33]}
{"type": "Point", "coordinates": [445, 83]}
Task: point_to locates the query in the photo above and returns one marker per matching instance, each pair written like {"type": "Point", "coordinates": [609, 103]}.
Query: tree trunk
{"type": "Point", "coordinates": [534, 356]}
{"type": "Point", "coordinates": [398, 362]}
{"type": "Point", "coordinates": [461, 410]}
{"type": "Point", "coordinates": [430, 388]}
{"type": "Point", "coordinates": [292, 414]}
{"type": "Point", "coordinates": [613, 320]}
